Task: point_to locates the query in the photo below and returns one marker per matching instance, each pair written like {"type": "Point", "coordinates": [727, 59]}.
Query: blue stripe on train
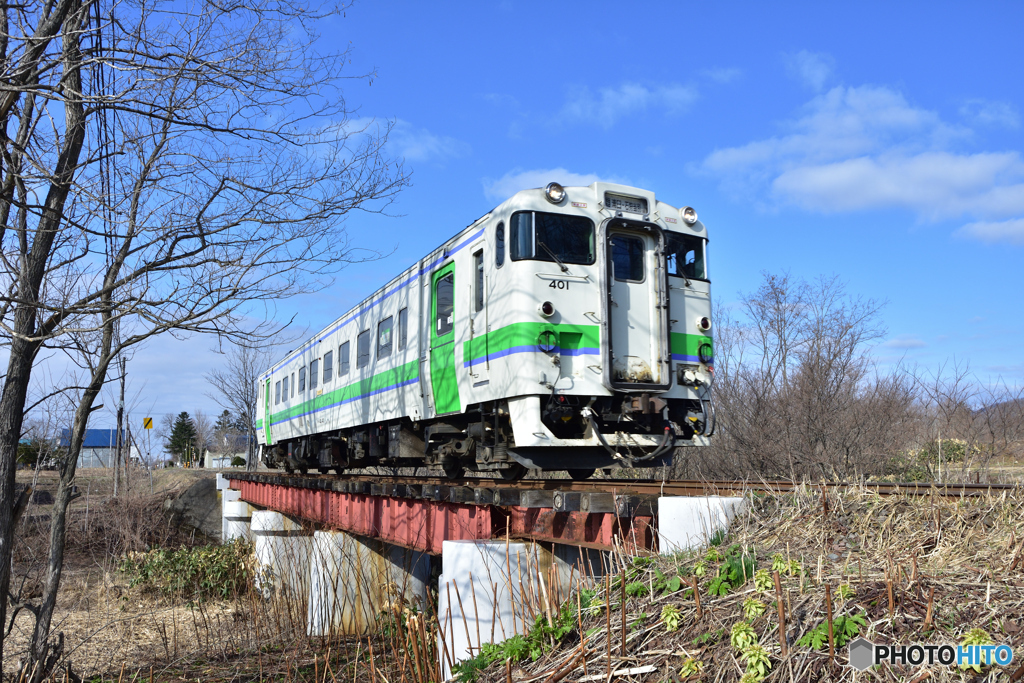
{"type": "Point", "coordinates": [530, 348]}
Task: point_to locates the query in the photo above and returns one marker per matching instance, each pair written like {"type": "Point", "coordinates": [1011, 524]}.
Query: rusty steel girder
{"type": "Point", "coordinates": [423, 524]}
{"type": "Point", "coordinates": [600, 530]}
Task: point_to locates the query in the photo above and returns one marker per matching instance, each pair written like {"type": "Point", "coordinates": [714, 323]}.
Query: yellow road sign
{"type": "Point", "coordinates": [147, 423]}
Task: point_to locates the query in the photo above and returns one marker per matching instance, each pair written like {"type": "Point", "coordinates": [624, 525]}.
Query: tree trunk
{"type": "Point", "coordinates": [42, 655]}
{"type": "Point", "coordinates": [12, 407]}
{"type": "Point", "coordinates": [24, 340]}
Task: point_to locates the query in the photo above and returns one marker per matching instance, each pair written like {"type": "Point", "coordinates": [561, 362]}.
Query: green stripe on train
{"type": "Point", "coordinates": [687, 344]}
{"type": "Point", "coordinates": [528, 334]}
{"type": "Point", "coordinates": [360, 389]}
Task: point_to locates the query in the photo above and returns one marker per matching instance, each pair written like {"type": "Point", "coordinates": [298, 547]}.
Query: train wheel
{"type": "Point", "coordinates": [513, 473]}
{"type": "Point", "coordinates": [454, 471]}
{"type": "Point", "coordinates": [580, 475]}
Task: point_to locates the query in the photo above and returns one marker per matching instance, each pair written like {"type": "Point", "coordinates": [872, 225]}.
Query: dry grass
{"type": "Point", "coordinates": [967, 553]}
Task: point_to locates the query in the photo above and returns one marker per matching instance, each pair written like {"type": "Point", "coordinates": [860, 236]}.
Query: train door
{"type": "Point", "coordinates": [476, 354]}
{"type": "Point", "coordinates": [443, 379]}
{"type": "Point", "coordinates": [266, 414]}
{"type": "Point", "coordinates": [635, 321]}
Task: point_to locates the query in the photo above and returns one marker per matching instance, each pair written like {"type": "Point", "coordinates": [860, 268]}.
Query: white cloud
{"type": "Point", "coordinates": [609, 105]}
{"type": "Point", "coordinates": [406, 140]}
{"type": "Point", "coordinates": [860, 148]}
{"type": "Point", "coordinates": [501, 189]}
{"type": "Point", "coordinates": [813, 69]}
{"type": "Point", "coordinates": [1010, 231]}
{"type": "Point", "coordinates": [936, 185]}
{"type": "Point", "coordinates": [842, 123]}
{"type": "Point", "coordinates": [988, 113]}
{"type": "Point", "coordinates": [905, 341]}
{"type": "Point", "coordinates": [722, 74]}
{"type": "Point", "coordinates": [419, 144]}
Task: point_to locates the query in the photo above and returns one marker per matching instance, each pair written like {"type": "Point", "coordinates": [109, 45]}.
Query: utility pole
{"type": "Point", "coordinates": [120, 429]}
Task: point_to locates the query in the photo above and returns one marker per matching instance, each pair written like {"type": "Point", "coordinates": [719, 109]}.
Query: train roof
{"type": "Point", "coordinates": [581, 194]}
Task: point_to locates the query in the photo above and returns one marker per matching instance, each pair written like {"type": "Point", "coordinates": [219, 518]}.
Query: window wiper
{"type": "Point", "coordinates": [565, 269]}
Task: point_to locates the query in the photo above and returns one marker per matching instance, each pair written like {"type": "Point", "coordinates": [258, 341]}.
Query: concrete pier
{"type": "Point", "coordinates": [353, 580]}
{"type": "Point", "coordinates": [491, 590]}
{"type": "Point", "coordinates": [685, 522]}
{"type": "Point", "coordinates": [282, 548]}
{"type": "Point", "coordinates": [236, 517]}
{"type": "Point", "coordinates": [488, 576]}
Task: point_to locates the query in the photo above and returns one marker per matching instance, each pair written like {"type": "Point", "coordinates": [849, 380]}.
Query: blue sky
{"type": "Point", "coordinates": [875, 142]}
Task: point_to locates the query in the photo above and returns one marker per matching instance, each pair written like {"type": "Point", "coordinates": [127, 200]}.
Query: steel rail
{"type": "Point", "coordinates": [691, 487]}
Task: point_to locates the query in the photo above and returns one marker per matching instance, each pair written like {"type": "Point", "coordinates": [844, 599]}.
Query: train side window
{"type": "Point", "coordinates": [627, 258]}
{"type": "Point", "coordinates": [343, 359]}
{"type": "Point", "coordinates": [363, 349]}
{"type": "Point", "coordinates": [284, 388]}
{"type": "Point", "coordinates": [277, 393]}
{"type": "Point", "coordinates": [328, 366]}
{"type": "Point", "coordinates": [302, 378]}
{"type": "Point", "coordinates": [520, 234]}
{"type": "Point", "coordinates": [478, 267]}
{"type": "Point", "coordinates": [403, 328]}
{"type": "Point", "coordinates": [685, 256]}
{"type": "Point", "coordinates": [444, 312]}
{"type": "Point", "coordinates": [314, 374]}
{"type": "Point", "coordinates": [384, 330]}
{"type": "Point", "coordinates": [499, 245]}
{"type": "Point", "coordinates": [293, 385]}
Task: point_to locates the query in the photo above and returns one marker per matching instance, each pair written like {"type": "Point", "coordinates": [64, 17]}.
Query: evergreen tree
{"type": "Point", "coordinates": [225, 434]}
{"type": "Point", "coordinates": [181, 442]}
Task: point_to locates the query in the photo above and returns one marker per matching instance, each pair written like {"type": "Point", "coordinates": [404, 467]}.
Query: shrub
{"type": "Point", "coordinates": [753, 608]}
{"type": "Point", "coordinates": [844, 629]}
{"type": "Point", "coordinates": [739, 566]}
{"type": "Point", "coordinates": [672, 617]}
{"type": "Point", "coordinates": [691, 667]}
{"type": "Point", "coordinates": [757, 661]}
{"type": "Point", "coordinates": [742, 636]}
{"type": "Point", "coordinates": [211, 571]}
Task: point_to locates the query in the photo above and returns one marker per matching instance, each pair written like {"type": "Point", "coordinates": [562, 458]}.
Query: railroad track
{"type": "Point", "coordinates": [481, 490]}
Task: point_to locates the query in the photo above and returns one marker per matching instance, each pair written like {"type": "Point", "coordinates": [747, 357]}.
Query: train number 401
{"type": "Point", "coordinates": [559, 284]}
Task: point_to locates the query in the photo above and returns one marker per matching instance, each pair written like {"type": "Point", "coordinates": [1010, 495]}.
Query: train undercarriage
{"type": "Point", "coordinates": [482, 439]}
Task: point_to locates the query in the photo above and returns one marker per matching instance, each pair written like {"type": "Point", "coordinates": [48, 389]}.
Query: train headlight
{"type": "Point", "coordinates": [704, 324]}
{"type": "Point", "coordinates": [554, 193]}
{"type": "Point", "coordinates": [688, 215]}
{"type": "Point", "coordinates": [546, 309]}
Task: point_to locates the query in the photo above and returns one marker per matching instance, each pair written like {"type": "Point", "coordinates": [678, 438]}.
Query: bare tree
{"type": "Point", "coordinates": [235, 388]}
{"type": "Point", "coordinates": [219, 166]}
{"type": "Point", "coordinates": [204, 432]}
{"type": "Point", "coordinates": [796, 390]}
{"type": "Point", "coordinates": [1001, 415]}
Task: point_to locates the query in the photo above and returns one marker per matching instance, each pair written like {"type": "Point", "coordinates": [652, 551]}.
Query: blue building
{"type": "Point", "coordinates": [98, 448]}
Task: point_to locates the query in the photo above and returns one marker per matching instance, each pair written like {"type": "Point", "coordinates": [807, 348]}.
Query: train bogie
{"type": "Point", "coordinates": [566, 329]}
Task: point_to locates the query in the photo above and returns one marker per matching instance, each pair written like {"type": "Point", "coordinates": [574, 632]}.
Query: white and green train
{"type": "Point", "coordinates": [569, 328]}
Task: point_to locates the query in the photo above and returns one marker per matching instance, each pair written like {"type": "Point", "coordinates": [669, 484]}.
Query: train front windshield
{"type": "Point", "coordinates": [685, 256]}
{"type": "Point", "coordinates": [539, 236]}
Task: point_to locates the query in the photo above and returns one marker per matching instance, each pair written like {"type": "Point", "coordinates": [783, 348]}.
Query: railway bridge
{"type": "Point", "coordinates": [485, 555]}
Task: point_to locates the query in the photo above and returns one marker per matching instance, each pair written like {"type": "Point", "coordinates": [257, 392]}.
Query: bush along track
{"type": "Point", "coordinates": [899, 570]}
{"type": "Point", "coordinates": [200, 573]}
